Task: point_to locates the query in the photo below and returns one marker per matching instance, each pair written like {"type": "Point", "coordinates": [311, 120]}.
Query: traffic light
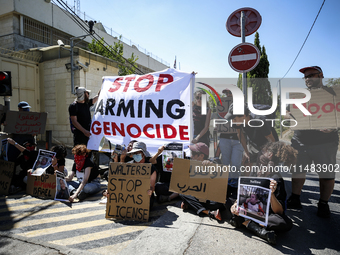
{"type": "Point", "coordinates": [5, 83]}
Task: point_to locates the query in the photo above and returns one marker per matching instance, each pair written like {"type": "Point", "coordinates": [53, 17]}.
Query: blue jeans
{"type": "Point", "coordinates": [232, 153]}
{"type": "Point", "coordinates": [89, 188]}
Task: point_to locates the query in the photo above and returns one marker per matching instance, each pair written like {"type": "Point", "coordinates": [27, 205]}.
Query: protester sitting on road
{"type": "Point", "coordinates": [162, 186]}
{"type": "Point", "coordinates": [86, 173]}
{"type": "Point", "coordinates": [271, 155]}
{"type": "Point", "coordinates": [124, 157]}
{"type": "Point", "coordinates": [58, 162]}
{"type": "Point", "coordinates": [25, 161]}
{"type": "Point", "coordinates": [140, 155]}
{"type": "Point", "coordinates": [200, 152]}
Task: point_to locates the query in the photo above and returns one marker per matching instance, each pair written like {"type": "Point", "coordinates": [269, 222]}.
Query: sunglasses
{"type": "Point", "coordinates": [198, 97]}
{"type": "Point", "coordinates": [310, 76]}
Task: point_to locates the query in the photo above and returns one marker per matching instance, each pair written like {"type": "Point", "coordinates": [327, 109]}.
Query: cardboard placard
{"type": "Point", "coordinates": [25, 122]}
{"type": "Point", "coordinates": [43, 186]}
{"type": "Point", "coordinates": [202, 185]}
{"type": "Point", "coordinates": [6, 175]}
{"type": "Point", "coordinates": [324, 107]}
{"type": "Point", "coordinates": [222, 110]}
{"type": "Point", "coordinates": [128, 185]}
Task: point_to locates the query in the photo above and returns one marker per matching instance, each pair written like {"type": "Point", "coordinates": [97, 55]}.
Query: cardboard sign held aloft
{"type": "Point", "coordinates": [222, 110]}
{"type": "Point", "coordinates": [190, 177]}
{"type": "Point", "coordinates": [324, 107]}
{"type": "Point", "coordinates": [43, 186]}
{"type": "Point", "coordinates": [128, 191]}
{"type": "Point", "coordinates": [6, 175]}
{"type": "Point", "coordinates": [25, 122]}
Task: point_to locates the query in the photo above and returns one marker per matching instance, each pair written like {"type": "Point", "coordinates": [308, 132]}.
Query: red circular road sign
{"type": "Point", "coordinates": [244, 57]}
{"type": "Point", "coordinates": [252, 21]}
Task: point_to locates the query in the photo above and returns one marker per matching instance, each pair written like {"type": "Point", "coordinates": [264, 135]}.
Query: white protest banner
{"type": "Point", "coordinates": [152, 108]}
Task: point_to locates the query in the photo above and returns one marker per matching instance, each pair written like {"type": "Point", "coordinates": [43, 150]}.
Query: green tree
{"type": "Point", "coordinates": [258, 77]}
{"type": "Point", "coordinates": [115, 52]}
{"type": "Point", "coordinates": [333, 81]}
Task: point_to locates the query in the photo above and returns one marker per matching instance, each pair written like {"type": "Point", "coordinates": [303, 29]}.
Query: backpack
{"type": "Point", "coordinates": [73, 128]}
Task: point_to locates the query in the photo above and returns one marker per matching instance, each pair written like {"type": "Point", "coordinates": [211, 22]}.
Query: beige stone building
{"type": "Point", "coordinates": [46, 84]}
{"type": "Point", "coordinates": [29, 31]}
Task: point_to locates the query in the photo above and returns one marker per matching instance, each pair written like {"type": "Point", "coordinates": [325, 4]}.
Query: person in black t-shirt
{"type": "Point", "coordinates": [86, 173]}
{"type": "Point", "coordinates": [80, 115]}
{"type": "Point", "coordinates": [314, 146]}
{"type": "Point", "coordinates": [163, 184]}
{"type": "Point", "coordinates": [259, 133]}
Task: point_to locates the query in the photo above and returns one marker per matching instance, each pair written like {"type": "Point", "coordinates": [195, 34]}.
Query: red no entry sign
{"type": "Point", "coordinates": [244, 57]}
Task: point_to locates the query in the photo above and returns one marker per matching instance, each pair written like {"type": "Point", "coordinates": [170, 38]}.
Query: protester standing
{"type": "Point", "coordinates": [258, 134]}
{"type": "Point", "coordinates": [80, 115]}
{"type": "Point", "coordinates": [201, 121]}
{"type": "Point", "coordinates": [314, 147]}
{"type": "Point", "coordinates": [232, 151]}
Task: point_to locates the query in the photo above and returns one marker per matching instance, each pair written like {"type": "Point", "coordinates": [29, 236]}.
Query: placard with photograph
{"type": "Point", "coordinates": [253, 199]}
{"type": "Point", "coordinates": [43, 161]}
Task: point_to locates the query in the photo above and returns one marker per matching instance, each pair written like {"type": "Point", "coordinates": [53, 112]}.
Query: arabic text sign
{"type": "Point", "coordinates": [25, 122]}
{"type": "Point", "coordinates": [324, 107]}
{"type": "Point", "coordinates": [6, 174]}
{"type": "Point", "coordinates": [43, 186]}
{"type": "Point", "coordinates": [128, 185]}
{"type": "Point", "coordinates": [202, 185]}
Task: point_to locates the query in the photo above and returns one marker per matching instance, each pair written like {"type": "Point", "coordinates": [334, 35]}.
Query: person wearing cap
{"type": "Point", "coordinates": [25, 162]}
{"type": "Point", "coordinates": [258, 134]}
{"type": "Point", "coordinates": [140, 155]}
{"type": "Point", "coordinates": [24, 106]}
{"type": "Point", "coordinates": [13, 152]}
{"type": "Point", "coordinates": [232, 151]}
{"type": "Point", "coordinates": [314, 146]}
{"type": "Point", "coordinates": [80, 115]}
{"type": "Point", "coordinates": [200, 152]}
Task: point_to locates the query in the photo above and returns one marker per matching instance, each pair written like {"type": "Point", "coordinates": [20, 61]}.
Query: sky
{"type": "Point", "coordinates": [195, 32]}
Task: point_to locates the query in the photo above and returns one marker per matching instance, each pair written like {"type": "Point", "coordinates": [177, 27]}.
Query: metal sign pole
{"type": "Point", "coordinates": [243, 36]}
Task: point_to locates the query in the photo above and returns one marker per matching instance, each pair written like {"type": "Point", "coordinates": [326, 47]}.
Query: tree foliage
{"type": "Point", "coordinates": [115, 52]}
{"type": "Point", "coordinates": [258, 77]}
{"type": "Point", "coordinates": [333, 81]}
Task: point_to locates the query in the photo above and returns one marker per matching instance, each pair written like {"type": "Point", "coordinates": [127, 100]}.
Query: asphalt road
{"type": "Point", "coordinates": [34, 226]}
